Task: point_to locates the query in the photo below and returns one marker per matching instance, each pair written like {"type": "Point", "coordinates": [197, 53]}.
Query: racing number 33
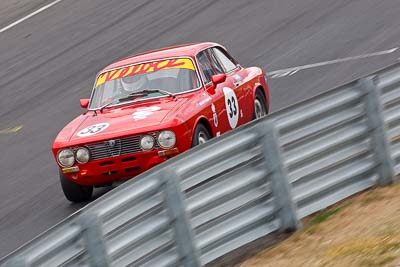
{"type": "Point", "coordinates": [232, 106]}
{"type": "Point", "coordinates": [94, 129]}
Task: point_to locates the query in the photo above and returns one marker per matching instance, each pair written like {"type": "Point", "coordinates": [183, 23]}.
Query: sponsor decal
{"type": "Point", "coordinates": [237, 77]}
{"type": "Point", "coordinates": [232, 106]}
{"type": "Point", "coordinates": [177, 63]}
{"type": "Point", "coordinates": [215, 116]}
{"type": "Point", "coordinates": [94, 129]}
{"type": "Point", "coordinates": [143, 113]}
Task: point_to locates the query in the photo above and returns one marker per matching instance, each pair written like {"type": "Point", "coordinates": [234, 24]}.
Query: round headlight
{"type": "Point", "coordinates": [147, 142]}
{"type": "Point", "coordinates": [66, 157]}
{"type": "Point", "coordinates": [166, 139]}
{"type": "Point", "coordinates": [82, 155]}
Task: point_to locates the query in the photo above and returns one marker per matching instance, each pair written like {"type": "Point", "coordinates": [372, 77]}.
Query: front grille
{"type": "Point", "coordinates": [117, 147]}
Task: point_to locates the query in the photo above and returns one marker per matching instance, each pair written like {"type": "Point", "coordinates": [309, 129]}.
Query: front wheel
{"type": "Point", "coordinates": [201, 135]}
{"type": "Point", "coordinates": [260, 108]}
{"type": "Point", "coordinates": [75, 192]}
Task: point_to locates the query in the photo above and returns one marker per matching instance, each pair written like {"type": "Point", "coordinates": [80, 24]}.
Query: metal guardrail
{"type": "Point", "coordinates": [247, 184]}
{"type": "Point", "coordinates": [388, 83]}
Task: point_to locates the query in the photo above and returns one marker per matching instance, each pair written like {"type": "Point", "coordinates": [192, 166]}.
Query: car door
{"type": "Point", "coordinates": [238, 75]}
{"type": "Point", "coordinates": [223, 119]}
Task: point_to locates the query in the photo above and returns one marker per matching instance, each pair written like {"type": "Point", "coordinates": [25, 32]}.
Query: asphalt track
{"type": "Point", "coordinates": [49, 61]}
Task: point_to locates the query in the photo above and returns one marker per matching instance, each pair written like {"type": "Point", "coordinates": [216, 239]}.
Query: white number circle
{"type": "Point", "coordinates": [94, 129]}
{"type": "Point", "coordinates": [232, 106]}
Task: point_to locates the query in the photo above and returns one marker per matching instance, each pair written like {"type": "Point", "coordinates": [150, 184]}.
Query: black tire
{"type": "Point", "coordinates": [201, 135]}
{"type": "Point", "coordinates": [75, 192]}
{"type": "Point", "coordinates": [260, 107]}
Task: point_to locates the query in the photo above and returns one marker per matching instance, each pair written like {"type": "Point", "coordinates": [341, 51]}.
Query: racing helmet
{"type": "Point", "coordinates": [134, 82]}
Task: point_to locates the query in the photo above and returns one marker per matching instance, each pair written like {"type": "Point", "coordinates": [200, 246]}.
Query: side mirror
{"type": "Point", "coordinates": [211, 89]}
{"type": "Point", "coordinates": [218, 78]}
{"type": "Point", "coordinates": [84, 102]}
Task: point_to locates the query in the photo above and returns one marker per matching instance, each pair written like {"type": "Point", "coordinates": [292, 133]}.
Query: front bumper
{"type": "Point", "coordinates": [105, 171]}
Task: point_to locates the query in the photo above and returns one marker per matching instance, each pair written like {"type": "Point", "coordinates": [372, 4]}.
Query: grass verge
{"type": "Point", "coordinates": [363, 230]}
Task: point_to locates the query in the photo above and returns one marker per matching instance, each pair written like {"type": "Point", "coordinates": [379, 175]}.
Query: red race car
{"type": "Point", "coordinates": [149, 107]}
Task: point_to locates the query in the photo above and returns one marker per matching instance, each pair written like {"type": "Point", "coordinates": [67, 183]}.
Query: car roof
{"type": "Point", "coordinates": [185, 50]}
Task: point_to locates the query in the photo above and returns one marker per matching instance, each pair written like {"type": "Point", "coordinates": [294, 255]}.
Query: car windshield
{"type": "Point", "coordinates": [146, 80]}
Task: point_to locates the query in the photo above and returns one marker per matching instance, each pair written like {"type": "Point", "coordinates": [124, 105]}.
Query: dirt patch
{"type": "Point", "coordinates": [361, 231]}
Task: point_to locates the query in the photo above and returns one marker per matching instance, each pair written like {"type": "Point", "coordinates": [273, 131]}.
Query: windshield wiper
{"type": "Point", "coordinates": [131, 95]}
{"type": "Point", "coordinates": [134, 94]}
{"type": "Point", "coordinates": [145, 92]}
{"type": "Point", "coordinates": [115, 101]}
{"type": "Point", "coordinates": [160, 91]}
{"type": "Point", "coordinates": [120, 99]}
{"type": "Point", "coordinates": [105, 105]}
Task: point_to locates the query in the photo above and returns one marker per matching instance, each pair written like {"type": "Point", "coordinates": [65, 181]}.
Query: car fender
{"type": "Point", "coordinates": [262, 83]}
{"type": "Point", "coordinates": [209, 126]}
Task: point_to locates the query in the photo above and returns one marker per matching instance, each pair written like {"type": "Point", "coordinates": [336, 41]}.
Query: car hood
{"type": "Point", "coordinates": [118, 121]}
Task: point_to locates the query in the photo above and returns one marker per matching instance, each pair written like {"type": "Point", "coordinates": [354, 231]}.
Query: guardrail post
{"type": "Point", "coordinates": [281, 188]}
{"type": "Point", "coordinates": [376, 124]}
{"type": "Point", "coordinates": [176, 208]}
{"type": "Point", "coordinates": [94, 239]}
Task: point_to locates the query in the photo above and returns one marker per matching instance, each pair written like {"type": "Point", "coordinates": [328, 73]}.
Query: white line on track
{"type": "Point", "coordinates": [29, 16]}
{"type": "Point", "coordinates": [290, 71]}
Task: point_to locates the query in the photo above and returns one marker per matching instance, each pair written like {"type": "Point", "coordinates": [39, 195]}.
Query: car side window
{"type": "Point", "coordinates": [215, 64]}
{"type": "Point", "coordinates": [226, 61]}
{"type": "Point", "coordinates": [205, 65]}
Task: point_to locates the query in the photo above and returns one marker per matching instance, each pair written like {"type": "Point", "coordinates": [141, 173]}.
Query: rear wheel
{"type": "Point", "coordinates": [75, 192]}
{"type": "Point", "coordinates": [201, 135]}
{"type": "Point", "coordinates": [260, 108]}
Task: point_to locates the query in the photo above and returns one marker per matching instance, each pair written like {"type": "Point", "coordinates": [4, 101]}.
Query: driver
{"type": "Point", "coordinates": [134, 83]}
